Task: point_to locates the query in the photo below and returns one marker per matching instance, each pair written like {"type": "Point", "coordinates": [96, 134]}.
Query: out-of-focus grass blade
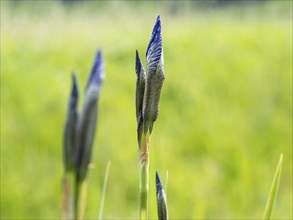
{"type": "Point", "coordinates": [274, 190]}
{"type": "Point", "coordinates": [104, 189]}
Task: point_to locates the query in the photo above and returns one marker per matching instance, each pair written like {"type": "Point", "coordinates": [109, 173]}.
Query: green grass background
{"type": "Point", "coordinates": [225, 110]}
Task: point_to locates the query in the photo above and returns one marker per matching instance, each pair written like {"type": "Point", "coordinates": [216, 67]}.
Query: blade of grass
{"type": "Point", "coordinates": [274, 190]}
{"type": "Point", "coordinates": [104, 189]}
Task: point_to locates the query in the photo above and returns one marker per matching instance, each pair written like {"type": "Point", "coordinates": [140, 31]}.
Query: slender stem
{"type": "Point", "coordinates": [144, 175]}
{"type": "Point", "coordinates": [80, 199]}
{"type": "Point", "coordinates": [68, 195]}
{"type": "Point", "coordinates": [76, 198]}
{"type": "Point", "coordinates": [143, 192]}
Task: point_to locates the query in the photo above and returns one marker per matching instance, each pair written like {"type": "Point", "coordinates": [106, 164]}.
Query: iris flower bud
{"type": "Point", "coordinates": [87, 123]}
{"type": "Point", "coordinates": [161, 199]}
{"type": "Point", "coordinates": [70, 139]}
{"type": "Point", "coordinates": [155, 77]}
{"type": "Point", "coordinates": [140, 86]}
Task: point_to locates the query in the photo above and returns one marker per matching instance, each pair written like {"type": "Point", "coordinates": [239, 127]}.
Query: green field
{"type": "Point", "coordinates": [225, 110]}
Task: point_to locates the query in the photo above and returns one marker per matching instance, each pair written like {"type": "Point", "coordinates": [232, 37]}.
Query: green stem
{"type": "Point", "coordinates": [76, 198]}
{"type": "Point", "coordinates": [144, 175]}
{"type": "Point", "coordinates": [80, 199]}
{"type": "Point", "coordinates": [143, 192]}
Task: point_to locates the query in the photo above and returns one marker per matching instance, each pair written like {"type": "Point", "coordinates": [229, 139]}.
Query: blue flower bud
{"type": "Point", "coordinates": [140, 86]}
{"type": "Point", "coordinates": [155, 77]}
{"type": "Point", "coordinates": [88, 119]}
{"type": "Point", "coordinates": [97, 73]}
{"type": "Point", "coordinates": [161, 199]}
{"type": "Point", "coordinates": [70, 137]}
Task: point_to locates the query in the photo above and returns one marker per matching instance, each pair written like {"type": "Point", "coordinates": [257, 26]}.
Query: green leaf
{"type": "Point", "coordinates": [274, 190]}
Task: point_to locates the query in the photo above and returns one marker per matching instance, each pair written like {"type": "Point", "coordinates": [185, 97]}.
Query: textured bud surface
{"type": "Point", "coordinates": [140, 86]}
{"type": "Point", "coordinates": [155, 77]}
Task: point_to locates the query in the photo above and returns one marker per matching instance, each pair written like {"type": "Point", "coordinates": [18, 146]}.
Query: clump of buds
{"type": "Point", "coordinates": [78, 140]}
{"type": "Point", "coordinates": [148, 86]}
{"type": "Point", "coordinates": [148, 92]}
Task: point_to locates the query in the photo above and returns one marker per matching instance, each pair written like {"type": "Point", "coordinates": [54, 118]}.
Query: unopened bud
{"type": "Point", "coordinates": [70, 137]}
{"type": "Point", "coordinates": [88, 119]}
{"type": "Point", "coordinates": [155, 77]}
{"type": "Point", "coordinates": [140, 86]}
{"type": "Point", "coordinates": [161, 199]}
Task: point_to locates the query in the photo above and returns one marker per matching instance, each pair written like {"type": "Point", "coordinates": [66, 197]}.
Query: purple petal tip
{"type": "Point", "coordinates": [156, 35]}
{"type": "Point", "coordinates": [97, 72]}
{"type": "Point", "coordinates": [154, 50]}
{"type": "Point", "coordinates": [158, 183]}
{"type": "Point", "coordinates": [138, 64]}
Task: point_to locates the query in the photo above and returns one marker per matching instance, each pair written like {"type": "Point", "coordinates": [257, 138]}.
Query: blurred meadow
{"type": "Point", "coordinates": [225, 110]}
